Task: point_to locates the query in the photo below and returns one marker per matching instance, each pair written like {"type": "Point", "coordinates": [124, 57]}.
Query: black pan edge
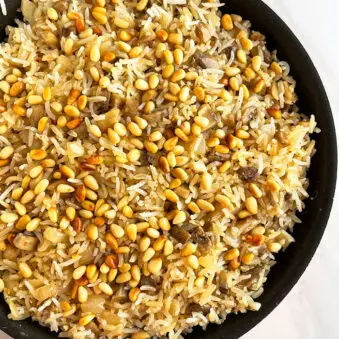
{"type": "Point", "coordinates": [292, 263]}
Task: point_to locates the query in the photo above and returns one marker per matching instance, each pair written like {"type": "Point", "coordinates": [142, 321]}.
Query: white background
{"type": "Point", "coordinates": [310, 310]}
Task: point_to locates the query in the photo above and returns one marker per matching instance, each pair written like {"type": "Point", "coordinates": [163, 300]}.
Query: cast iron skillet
{"type": "Point", "coordinates": [322, 174]}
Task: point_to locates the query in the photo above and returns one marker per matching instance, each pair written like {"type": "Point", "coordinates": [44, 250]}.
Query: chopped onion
{"type": "Point", "coordinates": [64, 63]}
{"type": "Point", "coordinates": [94, 304]}
{"type": "Point", "coordinates": [45, 292]}
{"type": "Point", "coordinates": [87, 256]}
{"type": "Point", "coordinates": [11, 253]}
{"type": "Point", "coordinates": [54, 235]}
{"type": "Point", "coordinates": [25, 242]}
{"type": "Point", "coordinates": [75, 149]}
{"type": "Point", "coordinates": [36, 283]}
{"type": "Point", "coordinates": [28, 10]}
{"type": "Point", "coordinates": [110, 317]}
{"type": "Point", "coordinates": [198, 145]}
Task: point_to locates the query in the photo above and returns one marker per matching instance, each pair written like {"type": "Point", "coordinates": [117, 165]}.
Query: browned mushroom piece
{"type": "Point", "coordinates": [147, 159]}
{"type": "Point", "coordinates": [38, 111]}
{"type": "Point", "coordinates": [205, 61]}
{"type": "Point", "coordinates": [267, 56]}
{"type": "Point", "coordinates": [154, 117]}
{"type": "Point", "coordinates": [230, 121]}
{"type": "Point", "coordinates": [104, 106]}
{"type": "Point", "coordinates": [201, 239]}
{"type": "Point", "coordinates": [81, 131]}
{"type": "Point", "coordinates": [195, 307]}
{"type": "Point", "coordinates": [150, 281]}
{"type": "Point", "coordinates": [228, 51]}
{"type": "Point", "coordinates": [66, 31]}
{"type": "Point", "coordinates": [257, 36]}
{"type": "Point", "coordinates": [132, 107]}
{"type": "Point", "coordinates": [61, 5]}
{"type": "Point", "coordinates": [248, 173]}
{"type": "Point", "coordinates": [179, 234]}
{"type": "Point", "coordinates": [223, 286]}
{"type": "Point", "coordinates": [118, 101]}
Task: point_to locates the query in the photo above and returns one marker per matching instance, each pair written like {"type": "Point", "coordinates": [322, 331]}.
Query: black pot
{"type": "Point", "coordinates": [292, 263]}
